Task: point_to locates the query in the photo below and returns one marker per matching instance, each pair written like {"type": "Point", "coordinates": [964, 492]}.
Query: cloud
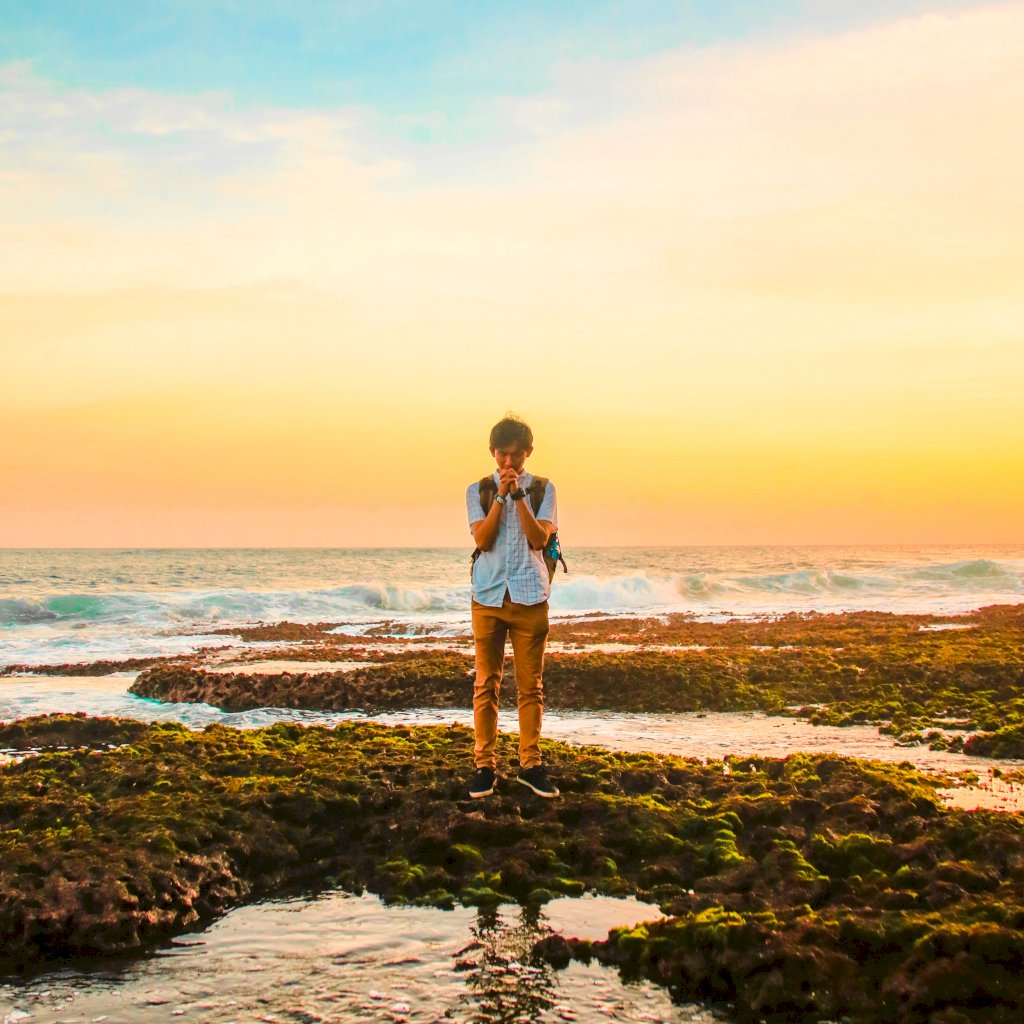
{"type": "Point", "coordinates": [802, 163]}
{"type": "Point", "coordinates": [755, 217]}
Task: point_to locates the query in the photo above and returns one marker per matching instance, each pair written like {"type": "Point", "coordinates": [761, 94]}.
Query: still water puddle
{"type": "Point", "coordinates": [348, 958]}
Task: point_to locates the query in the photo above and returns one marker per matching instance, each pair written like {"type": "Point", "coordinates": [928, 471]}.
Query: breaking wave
{"type": "Point", "coordinates": [982, 569]}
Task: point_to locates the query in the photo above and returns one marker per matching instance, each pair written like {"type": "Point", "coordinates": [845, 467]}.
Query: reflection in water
{"type": "Point", "coordinates": [343, 958]}
{"type": "Point", "coordinates": [505, 982]}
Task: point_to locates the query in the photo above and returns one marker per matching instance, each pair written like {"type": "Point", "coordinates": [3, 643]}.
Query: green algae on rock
{"type": "Point", "coordinates": [800, 964]}
{"type": "Point", "coordinates": [1007, 742]}
{"type": "Point", "coordinates": [797, 888]}
{"type": "Point", "coordinates": [43, 732]}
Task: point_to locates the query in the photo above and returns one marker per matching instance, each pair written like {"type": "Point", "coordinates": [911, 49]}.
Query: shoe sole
{"type": "Point", "coordinates": [549, 795]}
{"type": "Point", "coordinates": [480, 796]}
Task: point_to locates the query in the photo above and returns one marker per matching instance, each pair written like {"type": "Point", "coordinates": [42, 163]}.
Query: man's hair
{"type": "Point", "coordinates": [511, 431]}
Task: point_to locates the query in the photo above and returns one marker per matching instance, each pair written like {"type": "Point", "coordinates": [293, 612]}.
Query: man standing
{"type": "Point", "coordinates": [510, 599]}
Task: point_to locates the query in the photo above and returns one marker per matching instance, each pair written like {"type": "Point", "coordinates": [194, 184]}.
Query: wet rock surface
{"type": "Point", "coordinates": [797, 888]}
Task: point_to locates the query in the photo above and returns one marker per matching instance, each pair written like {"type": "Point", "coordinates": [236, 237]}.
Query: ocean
{"type": "Point", "coordinates": [68, 605]}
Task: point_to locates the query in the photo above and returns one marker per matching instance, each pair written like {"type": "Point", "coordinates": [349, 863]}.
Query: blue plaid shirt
{"type": "Point", "coordinates": [511, 564]}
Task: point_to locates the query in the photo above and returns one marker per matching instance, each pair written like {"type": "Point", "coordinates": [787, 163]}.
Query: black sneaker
{"type": "Point", "coordinates": [482, 783]}
{"type": "Point", "coordinates": [537, 780]}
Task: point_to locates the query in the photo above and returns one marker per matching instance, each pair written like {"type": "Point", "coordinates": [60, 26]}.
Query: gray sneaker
{"type": "Point", "coordinates": [537, 780]}
{"type": "Point", "coordinates": [482, 783]}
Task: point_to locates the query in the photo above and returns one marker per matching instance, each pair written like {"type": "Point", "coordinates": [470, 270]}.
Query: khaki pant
{"type": "Point", "coordinates": [527, 627]}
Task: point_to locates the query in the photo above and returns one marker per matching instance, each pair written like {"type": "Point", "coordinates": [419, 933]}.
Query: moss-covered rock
{"type": "Point", "coordinates": [1005, 742]}
{"type": "Point", "coordinates": [44, 732]}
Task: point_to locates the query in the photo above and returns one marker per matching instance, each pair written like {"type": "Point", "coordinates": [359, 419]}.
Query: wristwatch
{"type": "Point", "coordinates": [517, 495]}
{"type": "Point", "coordinates": [499, 499]}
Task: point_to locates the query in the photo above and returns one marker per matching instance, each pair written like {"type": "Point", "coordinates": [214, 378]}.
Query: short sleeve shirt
{"type": "Point", "coordinates": [511, 564]}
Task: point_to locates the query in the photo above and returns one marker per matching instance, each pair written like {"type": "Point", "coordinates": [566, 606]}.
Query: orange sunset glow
{"type": "Point", "coordinates": [763, 289]}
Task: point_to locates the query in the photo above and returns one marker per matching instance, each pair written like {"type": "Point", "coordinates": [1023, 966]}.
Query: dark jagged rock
{"type": "Point", "coordinates": [87, 668]}
{"type": "Point", "coordinates": [798, 889]}
{"type": "Point", "coordinates": [323, 634]}
{"type": "Point", "coordinates": [440, 680]}
{"type": "Point", "coordinates": [289, 632]}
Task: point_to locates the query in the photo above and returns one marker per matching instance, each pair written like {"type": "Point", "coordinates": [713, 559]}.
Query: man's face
{"type": "Point", "coordinates": [510, 457]}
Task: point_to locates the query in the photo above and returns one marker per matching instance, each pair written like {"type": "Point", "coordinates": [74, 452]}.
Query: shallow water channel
{"type": "Point", "coordinates": [339, 957]}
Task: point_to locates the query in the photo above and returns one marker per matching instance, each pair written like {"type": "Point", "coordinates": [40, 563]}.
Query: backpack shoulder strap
{"type": "Point", "coordinates": [488, 490]}
{"type": "Point", "coordinates": [538, 486]}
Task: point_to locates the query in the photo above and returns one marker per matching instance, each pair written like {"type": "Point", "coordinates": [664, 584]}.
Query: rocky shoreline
{"type": "Point", "coordinates": [799, 888]}
{"type": "Point", "coordinates": [952, 682]}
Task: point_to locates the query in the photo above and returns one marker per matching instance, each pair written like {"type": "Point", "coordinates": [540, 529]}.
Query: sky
{"type": "Point", "coordinates": [754, 273]}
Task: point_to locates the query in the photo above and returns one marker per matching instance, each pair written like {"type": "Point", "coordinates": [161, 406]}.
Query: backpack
{"type": "Point", "coordinates": [552, 551]}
